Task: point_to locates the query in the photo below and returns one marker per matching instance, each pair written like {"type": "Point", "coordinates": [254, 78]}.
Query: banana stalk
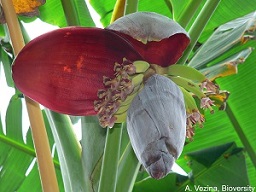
{"type": "Point", "coordinates": [43, 153]}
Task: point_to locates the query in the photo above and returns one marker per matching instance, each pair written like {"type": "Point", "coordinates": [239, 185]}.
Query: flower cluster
{"type": "Point", "coordinates": [194, 117]}
{"type": "Point", "coordinates": [116, 91]}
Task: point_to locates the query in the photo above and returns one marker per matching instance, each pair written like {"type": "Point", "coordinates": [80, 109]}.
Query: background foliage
{"type": "Point", "coordinates": [221, 147]}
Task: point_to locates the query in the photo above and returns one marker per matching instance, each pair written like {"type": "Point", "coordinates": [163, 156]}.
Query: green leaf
{"type": "Point", "coordinates": [222, 40]}
{"type": "Point", "coordinates": [7, 62]}
{"type": "Point", "coordinates": [166, 184]}
{"type": "Point", "coordinates": [178, 7]}
{"type": "Point", "coordinates": [227, 67]}
{"type": "Point", "coordinates": [93, 142]}
{"type": "Point", "coordinates": [228, 10]}
{"type": "Point", "coordinates": [77, 13]}
{"type": "Point", "coordinates": [33, 177]}
{"type": "Point", "coordinates": [208, 156]}
{"type": "Point", "coordinates": [105, 8]}
{"type": "Point", "coordinates": [67, 144]}
{"type": "Point", "coordinates": [217, 130]}
{"type": "Point", "coordinates": [17, 156]}
{"type": "Point", "coordinates": [33, 182]}
{"type": "Point", "coordinates": [52, 12]}
{"type": "Point", "coordinates": [13, 119]}
{"type": "Point", "coordinates": [224, 164]}
{"type": "Point", "coordinates": [1, 125]}
{"type": "Point", "coordinates": [2, 33]}
{"type": "Point", "coordinates": [236, 85]}
{"type": "Point", "coordinates": [11, 174]}
{"type": "Point", "coordinates": [215, 166]}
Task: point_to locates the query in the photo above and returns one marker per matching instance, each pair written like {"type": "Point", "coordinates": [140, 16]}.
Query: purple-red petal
{"type": "Point", "coordinates": [157, 38]}
{"type": "Point", "coordinates": [64, 69]}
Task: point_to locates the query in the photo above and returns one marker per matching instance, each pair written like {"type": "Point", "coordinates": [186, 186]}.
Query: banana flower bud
{"type": "Point", "coordinates": [156, 124]}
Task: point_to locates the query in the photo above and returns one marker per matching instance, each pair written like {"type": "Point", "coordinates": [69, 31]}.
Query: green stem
{"type": "Point", "coordinates": [131, 7]}
{"type": "Point", "coordinates": [128, 169]}
{"type": "Point", "coordinates": [241, 134]}
{"type": "Point", "coordinates": [24, 33]}
{"type": "Point", "coordinates": [118, 10]}
{"type": "Point", "coordinates": [93, 143]}
{"type": "Point", "coordinates": [108, 177]}
{"type": "Point", "coordinates": [186, 15]}
{"type": "Point", "coordinates": [69, 151]}
{"type": "Point", "coordinates": [169, 5]}
{"type": "Point", "coordinates": [70, 12]}
{"type": "Point", "coordinates": [198, 26]}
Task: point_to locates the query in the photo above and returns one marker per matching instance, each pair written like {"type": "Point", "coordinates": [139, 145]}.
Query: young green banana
{"type": "Point", "coordinates": [188, 85]}
{"type": "Point", "coordinates": [120, 114]}
{"type": "Point", "coordinates": [189, 101]}
{"type": "Point", "coordinates": [186, 72]}
{"type": "Point", "coordinates": [141, 66]}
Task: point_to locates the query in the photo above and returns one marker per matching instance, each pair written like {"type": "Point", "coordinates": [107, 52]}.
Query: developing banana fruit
{"type": "Point", "coordinates": [188, 85]}
{"type": "Point", "coordinates": [156, 124]}
{"type": "Point", "coordinates": [186, 72]}
{"type": "Point", "coordinates": [140, 68]}
{"type": "Point", "coordinates": [189, 101]}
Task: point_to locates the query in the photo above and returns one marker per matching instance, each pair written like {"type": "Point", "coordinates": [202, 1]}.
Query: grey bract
{"type": "Point", "coordinates": [149, 27]}
{"type": "Point", "coordinates": [156, 124]}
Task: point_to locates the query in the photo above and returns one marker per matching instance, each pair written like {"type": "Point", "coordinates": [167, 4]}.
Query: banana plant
{"type": "Point", "coordinates": [117, 64]}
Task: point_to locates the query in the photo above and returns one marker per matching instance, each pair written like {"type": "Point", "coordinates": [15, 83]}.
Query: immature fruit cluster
{"type": "Point", "coordinates": [119, 91]}
{"type": "Point", "coordinates": [194, 84]}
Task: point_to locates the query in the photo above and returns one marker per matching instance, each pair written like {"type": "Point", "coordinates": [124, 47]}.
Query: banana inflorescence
{"type": "Point", "coordinates": [193, 84]}
{"type": "Point", "coordinates": [137, 79]}
{"type": "Point", "coordinates": [159, 107]}
{"type": "Point", "coordinates": [130, 77]}
{"type": "Point", "coordinates": [119, 91]}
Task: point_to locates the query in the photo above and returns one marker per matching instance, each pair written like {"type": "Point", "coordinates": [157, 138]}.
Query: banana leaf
{"type": "Point", "coordinates": [17, 154]}
{"type": "Point", "coordinates": [206, 165]}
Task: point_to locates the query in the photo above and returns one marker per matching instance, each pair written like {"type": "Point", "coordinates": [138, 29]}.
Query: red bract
{"type": "Point", "coordinates": [63, 70]}
{"type": "Point", "coordinates": [157, 38]}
